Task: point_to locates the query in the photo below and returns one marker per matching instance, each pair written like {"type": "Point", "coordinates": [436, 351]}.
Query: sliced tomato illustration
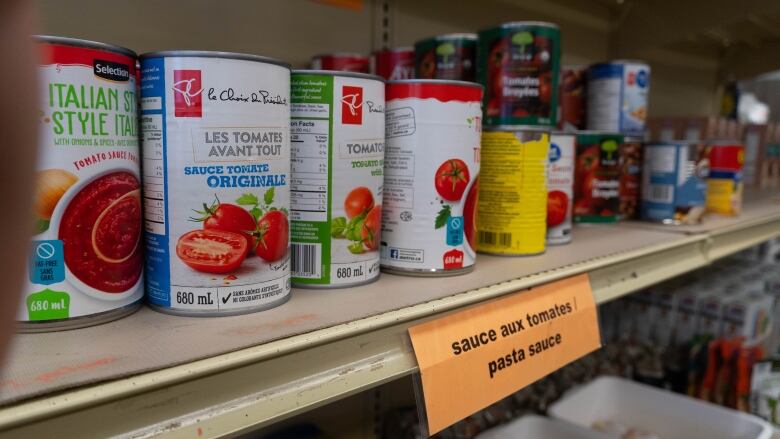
{"type": "Point", "coordinates": [212, 251]}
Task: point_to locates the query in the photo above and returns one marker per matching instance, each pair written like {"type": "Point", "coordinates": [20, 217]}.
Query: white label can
{"type": "Point", "coordinates": [216, 149]}
{"type": "Point", "coordinates": [85, 258]}
{"type": "Point", "coordinates": [338, 150]}
{"type": "Point", "coordinates": [560, 187]}
{"type": "Point", "coordinates": [433, 130]}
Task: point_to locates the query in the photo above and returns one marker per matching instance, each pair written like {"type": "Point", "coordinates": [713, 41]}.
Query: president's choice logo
{"type": "Point", "coordinates": [352, 105]}
{"type": "Point", "coordinates": [187, 93]}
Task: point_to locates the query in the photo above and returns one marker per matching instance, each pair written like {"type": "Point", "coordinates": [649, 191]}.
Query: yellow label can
{"type": "Point", "coordinates": [512, 212]}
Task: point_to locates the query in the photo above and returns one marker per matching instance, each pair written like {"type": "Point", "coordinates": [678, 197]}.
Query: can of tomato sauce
{"type": "Point", "coordinates": [342, 61]}
{"type": "Point", "coordinates": [560, 187]}
{"type": "Point", "coordinates": [597, 177]}
{"type": "Point", "coordinates": [630, 162]}
{"type": "Point", "coordinates": [725, 183]}
{"type": "Point", "coordinates": [85, 261]}
{"type": "Point", "coordinates": [618, 93]}
{"type": "Point", "coordinates": [397, 63]}
{"type": "Point", "coordinates": [674, 182]}
{"type": "Point", "coordinates": [215, 130]}
{"type": "Point", "coordinates": [518, 63]}
{"type": "Point", "coordinates": [572, 98]}
{"type": "Point", "coordinates": [432, 170]}
{"type": "Point", "coordinates": [337, 135]}
{"type": "Point", "coordinates": [512, 209]}
{"type": "Point", "coordinates": [449, 56]}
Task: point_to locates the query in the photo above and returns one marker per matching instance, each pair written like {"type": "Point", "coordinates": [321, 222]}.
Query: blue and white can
{"type": "Point", "coordinates": [618, 94]}
{"type": "Point", "coordinates": [674, 182]}
{"type": "Point", "coordinates": [216, 164]}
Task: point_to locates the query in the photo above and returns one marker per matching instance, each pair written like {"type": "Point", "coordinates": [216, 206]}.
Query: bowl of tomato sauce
{"type": "Point", "coordinates": [99, 221]}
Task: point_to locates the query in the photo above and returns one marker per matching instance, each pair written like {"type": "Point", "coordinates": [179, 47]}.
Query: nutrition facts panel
{"type": "Point", "coordinates": [309, 142]}
{"type": "Point", "coordinates": [154, 173]}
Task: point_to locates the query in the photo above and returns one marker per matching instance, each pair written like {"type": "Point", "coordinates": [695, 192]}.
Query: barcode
{"type": "Point", "coordinates": [659, 193]}
{"type": "Point", "coordinates": [306, 260]}
{"type": "Point", "coordinates": [493, 238]}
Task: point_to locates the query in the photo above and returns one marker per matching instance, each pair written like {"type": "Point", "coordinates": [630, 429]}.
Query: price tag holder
{"type": "Point", "coordinates": [473, 358]}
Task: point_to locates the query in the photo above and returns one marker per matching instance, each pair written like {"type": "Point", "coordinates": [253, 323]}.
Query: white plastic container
{"type": "Point", "coordinates": [665, 414]}
{"type": "Point", "coordinates": [533, 427]}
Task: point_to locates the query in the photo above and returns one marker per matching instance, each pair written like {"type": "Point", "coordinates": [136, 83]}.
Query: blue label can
{"type": "Point", "coordinates": [618, 96]}
{"type": "Point", "coordinates": [674, 182]}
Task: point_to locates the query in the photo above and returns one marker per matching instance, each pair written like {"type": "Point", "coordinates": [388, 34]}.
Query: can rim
{"type": "Point", "coordinates": [622, 61]}
{"type": "Point", "coordinates": [451, 36]}
{"type": "Point", "coordinates": [435, 81]}
{"type": "Point", "coordinates": [513, 128]}
{"type": "Point", "coordinates": [563, 133]}
{"type": "Point", "coordinates": [355, 54]}
{"type": "Point", "coordinates": [517, 24]}
{"type": "Point", "coordinates": [599, 132]}
{"type": "Point", "coordinates": [67, 41]}
{"type": "Point", "coordinates": [669, 142]}
{"type": "Point", "coordinates": [337, 73]}
{"type": "Point", "coordinates": [215, 54]}
{"type": "Point", "coordinates": [724, 142]}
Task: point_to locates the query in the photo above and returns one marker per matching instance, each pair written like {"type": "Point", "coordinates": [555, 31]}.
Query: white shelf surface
{"type": "Point", "coordinates": [152, 374]}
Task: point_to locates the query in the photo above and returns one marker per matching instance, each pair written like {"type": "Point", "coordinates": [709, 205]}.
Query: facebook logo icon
{"type": "Point", "coordinates": [393, 253]}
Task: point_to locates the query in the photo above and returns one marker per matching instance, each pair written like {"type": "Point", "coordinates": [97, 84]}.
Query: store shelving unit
{"type": "Point", "coordinates": [152, 374]}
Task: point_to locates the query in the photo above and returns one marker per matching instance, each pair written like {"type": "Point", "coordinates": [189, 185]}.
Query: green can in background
{"type": "Point", "coordinates": [597, 177]}
{"type": "Point", "coordinates": [450, 56]}
{"type": "Point", "coordinates": [519, 64]}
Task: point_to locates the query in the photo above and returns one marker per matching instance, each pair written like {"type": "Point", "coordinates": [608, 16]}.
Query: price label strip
{"type": "Point", "coordinates": [473, 358]}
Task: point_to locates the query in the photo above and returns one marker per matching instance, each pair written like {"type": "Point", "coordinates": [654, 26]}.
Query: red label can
{"type": "Point", "coordinates": [572, 101]}
{"type": "Point", "coordinates": [597, 177]}
{"type": "Point", "coordinates": [630, 177]}
{"type": "Point", "coordinates": [393, 64]}
{"type": "Point", "coordinates": [345, 62]}
{"type": "Point", "coordinates": [724, 184]}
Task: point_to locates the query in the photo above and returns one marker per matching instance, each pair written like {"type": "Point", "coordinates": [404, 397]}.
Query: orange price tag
{"type": "Point", "coordinates": [473, 358]}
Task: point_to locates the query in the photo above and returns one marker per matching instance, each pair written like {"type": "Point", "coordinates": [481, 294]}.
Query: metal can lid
{"type": "Point", "coordinates": [633, 138]}
{"type": "Point", "coordinates": [622, 61]}
{"type": "Point", "coordinates": [598, 133]}
{"type": "Point", "coordinates": [85, 43]}
{"type": "Point", "coordinates": [669, 142]}
{"type": "Point", "coordinates": [338, 73]}
{"type": "Point", "coordinates": [455, 36]}
{"type": "Point", "coordinates": [214, 54]}
{"type": "Point", "coordinates": [563, 133]}
{"type": "Point", "coordinates": [522, 24]}
{"type": "Point", "coordinates": [723, 142]}
{"type": "Point", "coordinates": [435, 81]}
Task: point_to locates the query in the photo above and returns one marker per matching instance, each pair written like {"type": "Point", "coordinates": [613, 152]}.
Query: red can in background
{"type": "Point", "coordinates": [345, 62]}
{"type": "Point", "coordinates": [724, 184]}
{"type": "Point", "coordinates": [393, 64]}
{"type": "Point", "coordinates": [630, 163]}
{"type": "Point", "coordinates": [572, 98]}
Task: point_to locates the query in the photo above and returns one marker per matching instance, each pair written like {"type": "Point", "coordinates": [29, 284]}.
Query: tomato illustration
{"type": "Point", "coordinates": [230, 218]}
{"type": "Point", "coordinates": [557, 205]}
{"type": "Point", "coordinates": [588, 160]}
{"type": "Point", "coordinates": [358, 201]}
{"type": "Point", "coordinates": [582, 207]}
{"type": "Point", "coordinates": [273, 236]}
{"type": "Point", "coordinates": [451, 179]}
{"type": "Point", "coordinates": [212, 251]}
{"type": "Point", "coordinates": [427, 66]}
{"type": "Point", "coordinates": [372, 228]}
{"type": "Point", "coordinates": [470, 215]}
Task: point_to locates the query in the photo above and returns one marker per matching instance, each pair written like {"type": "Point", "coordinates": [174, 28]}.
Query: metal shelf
{"type": "Point", "coordinates": [152, 374]}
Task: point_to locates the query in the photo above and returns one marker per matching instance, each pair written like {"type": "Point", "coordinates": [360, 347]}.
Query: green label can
{"type": "Point", "coordinates": [337, 134]}
{"type": "Point", "coordinates": [518, 63]}
{"type": "Point", "coordinates": [597, 177]}
{"type": "Point", "coordinates": [450, 56]}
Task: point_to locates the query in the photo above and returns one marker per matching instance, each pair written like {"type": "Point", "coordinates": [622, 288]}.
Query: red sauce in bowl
{"type": "Point", "coordinates": [100, 231]}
